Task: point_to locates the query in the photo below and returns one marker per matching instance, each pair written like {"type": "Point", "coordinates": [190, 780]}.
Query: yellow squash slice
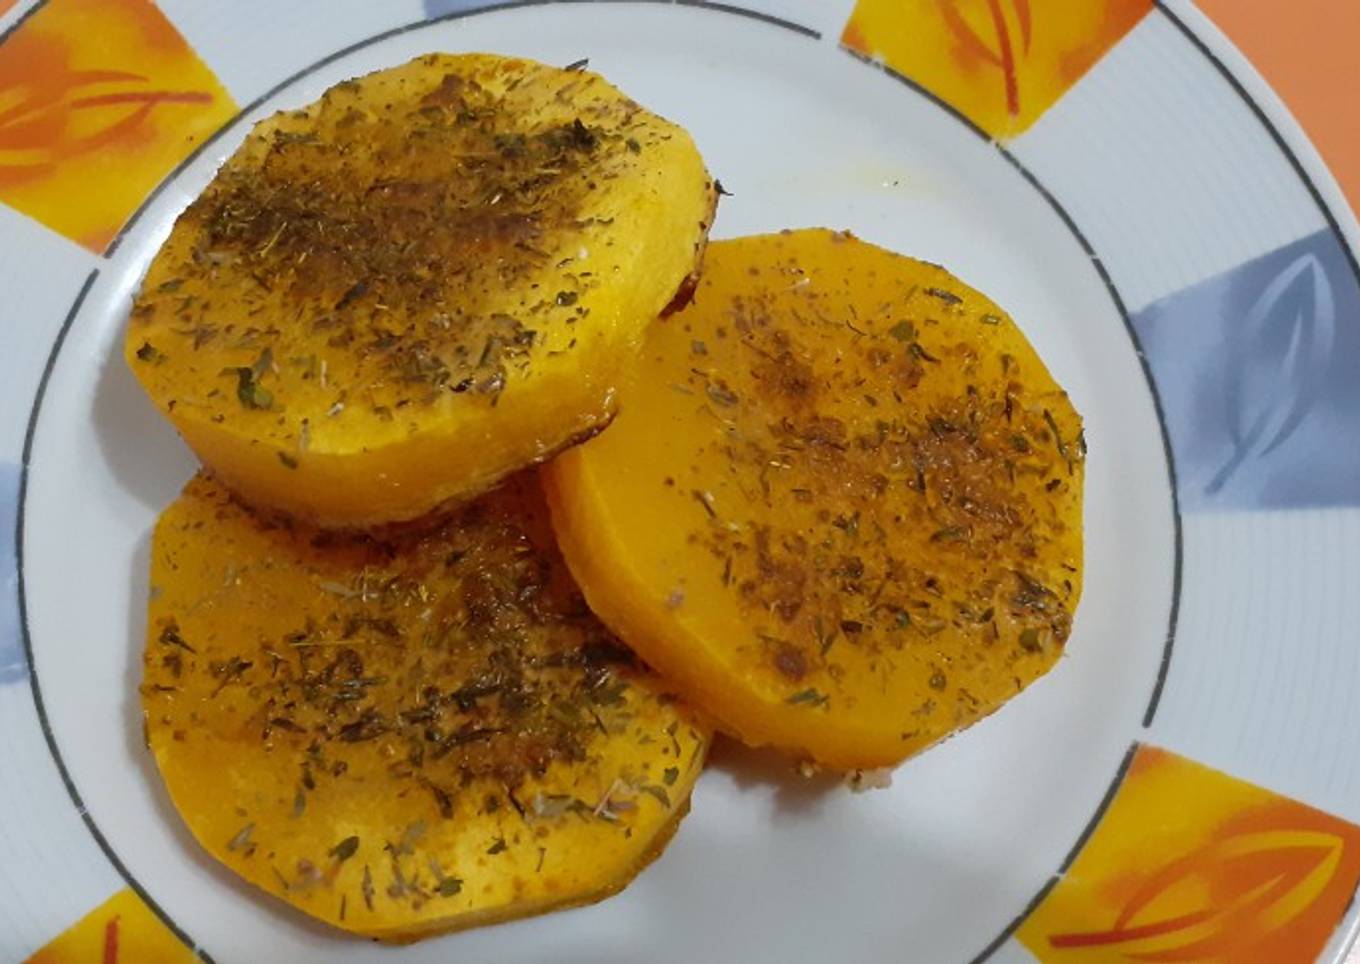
{"type": "Point", "coordinates": [409, 732]}
{"type": "Point", "coordinates": [841, 506]}
{"type": "Point", "coordinates": [430, 278]}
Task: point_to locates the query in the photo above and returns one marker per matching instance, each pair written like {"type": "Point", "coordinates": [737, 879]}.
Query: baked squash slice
{"type": "Point", "coordinates": [841, 506]}
{"type": "Point", "coordinates": [406, 732]}
{"type": "Point", "coordinates": [429, 278]}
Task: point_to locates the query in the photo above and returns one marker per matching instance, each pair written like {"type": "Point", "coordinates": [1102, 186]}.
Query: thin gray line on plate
{"type": "Point", "coordinates": [27, 638]}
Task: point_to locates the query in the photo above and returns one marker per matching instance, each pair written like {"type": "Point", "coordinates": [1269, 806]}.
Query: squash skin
{"type": "Point", "coordinates": [833, 511]}
{"type": "Point", "coordinates": [293, 676]}
{"type": "Point", "coordinates": [430, 278]}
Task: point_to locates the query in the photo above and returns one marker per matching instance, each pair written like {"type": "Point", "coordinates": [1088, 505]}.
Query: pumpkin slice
{"type": "Point", "coordinates": [429, 278]}
{"type": "Point", "coordinates": [841, 506]}
{"type": "Point", "coordinates": [406, 732]}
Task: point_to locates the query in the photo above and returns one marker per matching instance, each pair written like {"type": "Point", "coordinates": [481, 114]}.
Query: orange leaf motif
{"type": "Point", "coordinates": [1251, 884]}
{"type": "Point", "coordinates": [48, 125]}
{"type": "Point", "coordinates": [99, 99]}
{"type": "Point", "coordinates": [111, 941]}
{"type": "Point", "coordinates": [1000, 63]}
{"type": "Point", "coordinates": [1190, 864]}
{"type": "Point", "coordinates": [122, 929]}
{"type": "Point", "coordinates": [1004, 56]}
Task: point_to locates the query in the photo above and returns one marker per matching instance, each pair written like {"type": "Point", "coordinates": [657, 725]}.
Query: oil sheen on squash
{"type": "Point", "coordinates": [429, 278]}
{"type": "Point", "coordinates": [405, 732]}
{"type": "Point", "coordinates": [841, 506]}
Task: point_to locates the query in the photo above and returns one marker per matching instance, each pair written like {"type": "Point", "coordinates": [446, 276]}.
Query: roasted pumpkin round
{"type": "Point", "coordinates": [433, 276]}
{"type": "Point", "coordinates": [410, 731]}
{"type": "Point", "coordinates": [841, 507]}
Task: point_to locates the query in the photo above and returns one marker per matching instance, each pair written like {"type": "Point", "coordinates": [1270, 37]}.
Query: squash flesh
{"type": "Point", "coordinates": [432, 277]}
{"type": "Point", "coordinates": [841, 506]}
{"type": "Point", "coordinates": [406, 732]}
